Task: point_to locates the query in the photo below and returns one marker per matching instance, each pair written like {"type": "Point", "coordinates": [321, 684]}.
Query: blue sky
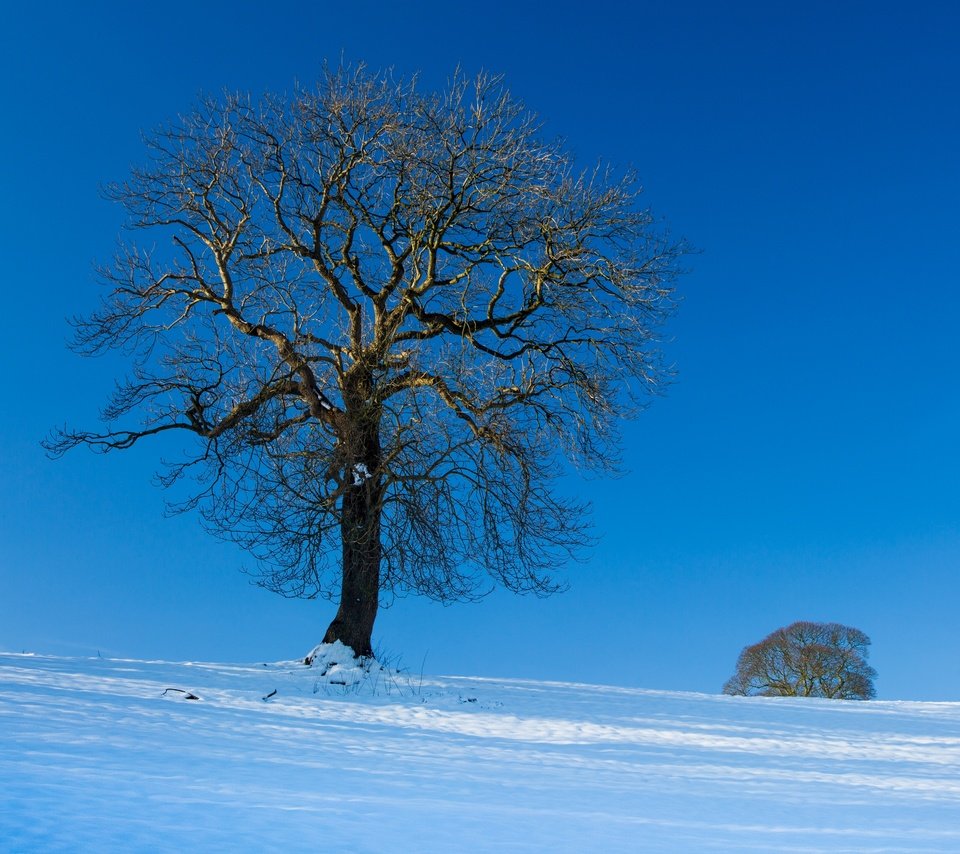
{"type": "Point", "coordinates": [803, 465]}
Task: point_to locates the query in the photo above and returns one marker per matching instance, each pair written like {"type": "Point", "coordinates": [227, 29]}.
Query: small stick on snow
{"type": "Point", "coordinates": [274, 691]}
{"type": "Point", "coordinates": [186, 694]}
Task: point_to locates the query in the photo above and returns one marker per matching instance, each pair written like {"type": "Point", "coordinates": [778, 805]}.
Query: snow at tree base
{"type": "Point", "coordinates": [343, 755]}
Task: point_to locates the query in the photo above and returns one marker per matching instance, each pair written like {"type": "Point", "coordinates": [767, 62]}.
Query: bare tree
{"type": "Point", "coordinates": [806, 660]}
{"type": "Point", "coordinates": [386, 318]}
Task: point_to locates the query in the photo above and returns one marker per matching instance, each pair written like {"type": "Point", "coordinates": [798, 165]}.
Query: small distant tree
{"type": "Point", "coordinates": [380, 318]}
{"type": "Point", "coordinates": [806, 660]}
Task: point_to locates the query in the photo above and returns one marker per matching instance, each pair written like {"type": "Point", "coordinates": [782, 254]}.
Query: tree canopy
{"type": "Point", "coordinates": [806, 659]}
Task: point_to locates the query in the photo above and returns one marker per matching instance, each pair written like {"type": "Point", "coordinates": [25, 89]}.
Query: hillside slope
{"type": "Point", "coordinates": [95, 756]}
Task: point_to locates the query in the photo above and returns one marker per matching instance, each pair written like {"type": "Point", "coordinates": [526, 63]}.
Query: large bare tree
{"type": "Point", "coordinates": [386, 318]}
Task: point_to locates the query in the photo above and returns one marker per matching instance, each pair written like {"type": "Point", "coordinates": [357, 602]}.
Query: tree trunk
{"type": "Point", "coordinates": [360, 536]}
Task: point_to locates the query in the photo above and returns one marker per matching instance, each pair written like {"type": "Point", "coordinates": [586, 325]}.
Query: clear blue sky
{"type": "Point", "coordinates": [803, 466]}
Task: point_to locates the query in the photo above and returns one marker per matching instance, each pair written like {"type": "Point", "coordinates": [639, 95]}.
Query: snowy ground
{"type": "Point", "coordinates": [94, 756]}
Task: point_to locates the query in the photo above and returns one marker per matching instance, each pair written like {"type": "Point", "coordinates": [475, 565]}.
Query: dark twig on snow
{"type": "Point", "coordinates": [186, 694]}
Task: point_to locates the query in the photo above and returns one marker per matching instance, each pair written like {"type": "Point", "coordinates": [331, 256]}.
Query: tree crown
{"type": "Point", "coordinates": [806, 659]}
{"type": "Point", "coordinates": [368, 287]}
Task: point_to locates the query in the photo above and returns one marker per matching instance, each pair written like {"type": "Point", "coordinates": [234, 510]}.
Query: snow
{"type": "Point", "coordinates": [98, 754]}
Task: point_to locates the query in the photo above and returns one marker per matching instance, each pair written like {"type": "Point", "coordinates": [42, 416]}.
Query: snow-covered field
{"type": "Point", "coordinates": [96, 755]}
